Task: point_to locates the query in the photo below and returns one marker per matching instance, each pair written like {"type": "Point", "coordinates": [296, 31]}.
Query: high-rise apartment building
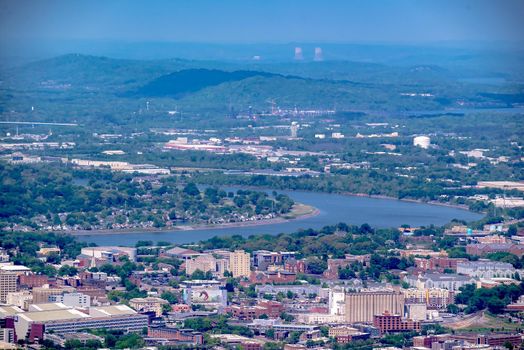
{"type": "Point", "coordinates": [8, 284]}
{"type": "Point", "coordinates": [239, 263]}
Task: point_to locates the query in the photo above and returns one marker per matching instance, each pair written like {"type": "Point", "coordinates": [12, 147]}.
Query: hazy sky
{"type": "Point", "coordinates": [263, 21]}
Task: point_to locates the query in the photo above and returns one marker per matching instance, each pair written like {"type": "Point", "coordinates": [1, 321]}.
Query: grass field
{"type": "Point", "coordinates": [484, 322]}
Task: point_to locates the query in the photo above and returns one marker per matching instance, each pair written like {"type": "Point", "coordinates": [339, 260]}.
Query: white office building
{"type": "Point", "coordinates": [76, 300]}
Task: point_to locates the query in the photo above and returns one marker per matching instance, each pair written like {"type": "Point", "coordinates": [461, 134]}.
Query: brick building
{"type": "Point", "coordinates": [251, 312]}
{"type": "Point", "coordinates": [296, 266]}
{"type": "Point", "coordinates": [33, 280]}
{"type": "Point", "coordinates": [387, 322]}
{"type": "Point", "coordinates": [491, 339]}
{"type": "Point", "coordinates": [272, 277]}
{"type": "Point", "coordinates": [346, 334]}
{"type": "Point", "coordinates": [483, 249]}
{"type": "Point", "coordinates": [335, 264]}
{"type": "Point", "coordinates": [181, 335]}
{"type": "Point", "coordinates": [438, 263]}
{"type": "Point", "coordinates": [273, 308]}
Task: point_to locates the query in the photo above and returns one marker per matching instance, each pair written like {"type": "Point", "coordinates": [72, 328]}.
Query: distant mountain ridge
{"type": "Point", "coordinates": [186, 81]}
{"type": "Point", "coordinates": [120, 87]}
{"type": "Point", "coordinates": [94, 71]}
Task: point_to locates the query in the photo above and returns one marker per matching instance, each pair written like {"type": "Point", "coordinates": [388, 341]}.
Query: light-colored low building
{"type": "Point", "coordinates": [319, 318]}
{"type": "Point", "coordinates": [422, 252]}
{"type": "Point", "coordinates": [238, 341]}
{"type": "Point", "coordinates": [21, 299]}
{"type": "Point", "coordinates": [16, 269]}
{"type": "Point", "coordinates": [9, 310]}
{"type": "Point", "coordinates": [507, 185]}
{"type": "Point", "coordinates": [47, 307]}
{"type": "Point", "coordinates": [422, 141]}
{"type": "Point", "coordinates": [447, 281]}
{"type": "Point", "coordinates": [24, 321]}
{"type": "Point", "coordinates": [486, 269]}
{"type": "Point", "coordinates": [417, 312]}
{"type": "Point", "coordinates": [48, 250]}
{"type": "Point", "coordinates": [148, 304]}
{"type": "Point", "coordinates": [33, 325]}
{"type": "Point", "coordinates": [78, 300]}
{"type": "Point", "coordinates": [109, 252]}
{"type": "Point", "coordinates": [202, 262]}
{"type": "Point", "coordinates": [41, 294]}
{"type": "Point", "coordinates": [342, 331]}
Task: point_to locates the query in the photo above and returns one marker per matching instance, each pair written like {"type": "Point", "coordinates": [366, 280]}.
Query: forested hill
{"type": "Point", "coordinates": [191, 80]}
{"type": "Point", "coordinates": [97, 90]}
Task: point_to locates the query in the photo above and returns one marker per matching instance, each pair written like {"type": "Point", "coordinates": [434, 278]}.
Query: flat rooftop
{"type": "Point", "coordinates": [113, 310]}
{"type": "Point", "coordinates": [9, 268]}
{"type": "Point", "coordinates": [9, 310]}
{"type": "Point", "coordinates": [48, 307]}
{"type": "Point", "coordinates": [53, 315]}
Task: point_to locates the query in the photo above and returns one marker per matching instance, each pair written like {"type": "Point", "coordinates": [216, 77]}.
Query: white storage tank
{"type": "Point", "coordinates": [422, 141]}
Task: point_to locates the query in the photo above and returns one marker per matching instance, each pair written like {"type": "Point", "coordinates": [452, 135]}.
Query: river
{"type": "Point", "coordinates": [333, 208]}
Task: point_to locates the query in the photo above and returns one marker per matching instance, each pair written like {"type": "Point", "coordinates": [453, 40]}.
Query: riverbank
{"type": "Point", "coordinates": [365, 195]}
{"type": "Point", "coordinates": [409, 200]}
{"type": "Point", "coordinates": [331, 209]}
{"type": "Point", "coordinates": [298, 212]}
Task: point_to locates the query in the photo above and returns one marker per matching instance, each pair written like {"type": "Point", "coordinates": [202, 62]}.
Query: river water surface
{"type": "Point", "coordinates": [333, 208]}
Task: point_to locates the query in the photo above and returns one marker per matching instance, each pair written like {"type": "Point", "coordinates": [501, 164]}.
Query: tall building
{"type": "Point", "coordinates": [364, 305]}
{"type": "Point", "coordinates": [294, 129]}
{"type": "Point", "coordinates": [239, 263]}
{"type": "Point", "coordinates": [8, 284]}
{"type": "Point", "coordinates": [337, 299]}
{"type": "Point", "coordinates": [298, 54]}
{"type": "Point", "coordinates": [318, 54]}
